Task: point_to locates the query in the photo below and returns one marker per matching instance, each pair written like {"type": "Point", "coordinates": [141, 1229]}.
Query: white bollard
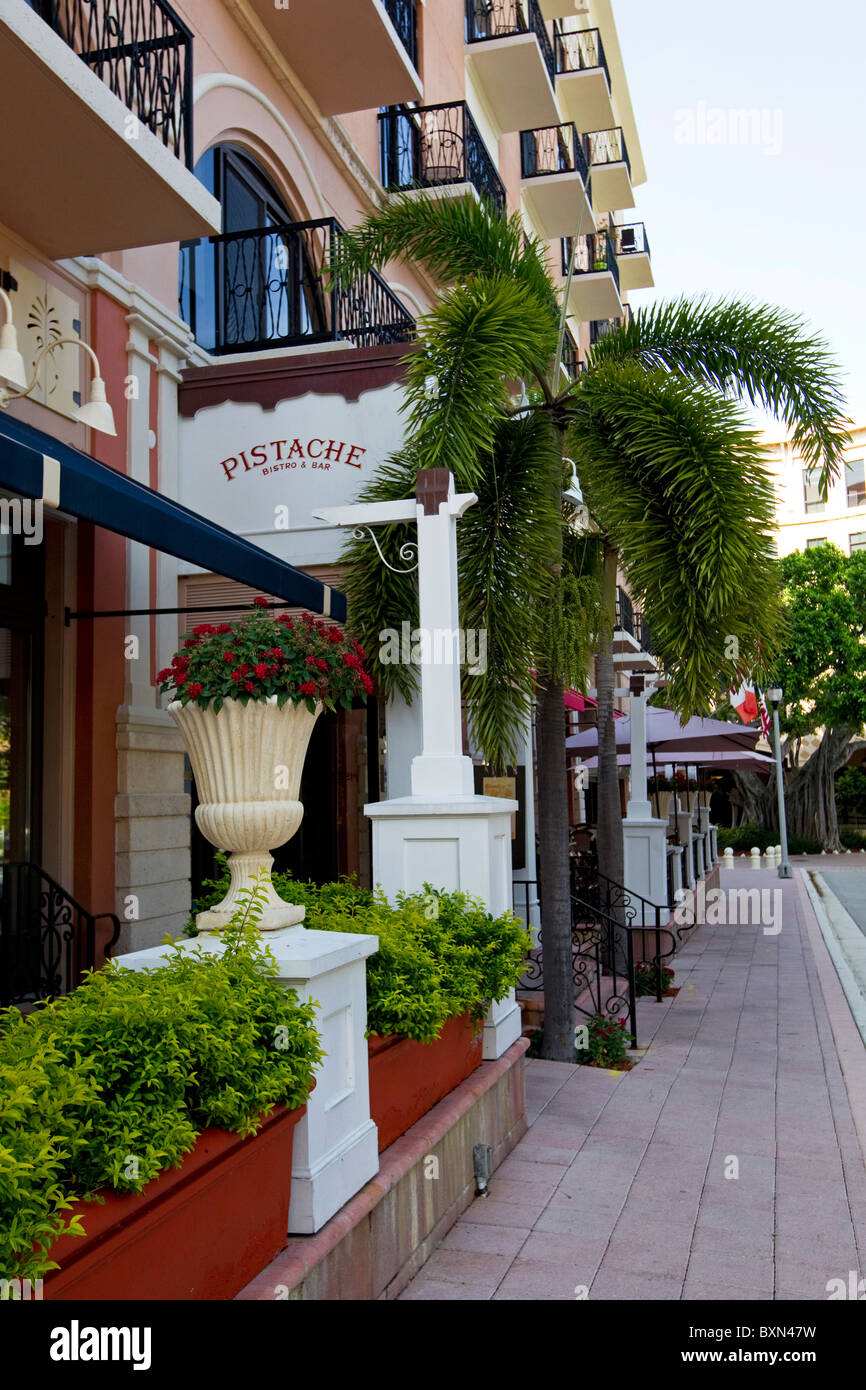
{"type": "Point", "coordinates": [728, 858]}
{"type": "Point", "coordinates": [777, 853]}
{"type": "Point", "coordinates": [755, 857]}
{"type": "Point", "coordinates": [769, 857]}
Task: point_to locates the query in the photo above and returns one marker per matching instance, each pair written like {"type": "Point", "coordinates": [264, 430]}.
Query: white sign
{"type": "Point", "coordinates": [262, 473]}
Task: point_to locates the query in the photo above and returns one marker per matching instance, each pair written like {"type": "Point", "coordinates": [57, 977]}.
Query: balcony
{"type": "Point", "coordinates": [582, 79]}
{"type": "Point", "coordinates": [633, 257]}
{"type": "Point", "coordinates": [102, 154]}
{"type": "Point", "coordinates": [594, 290]}
{"type": "Point", "coordinates": [512, 57]}
{"type": "Point", "coordinates": [610, 170]}
{"type": "Point", "coordinates": [600, 328]}
{"type": "Point", "coordinates": [563, 9]}
{"type": "Point", "coordinates": [266, 288]}
{"type": "Point", "coordinates": [555, 176]}
{"type": "Point", "coordinates": [351, 55]}
{"type": "Point", "coordinates": [437, 147]}
{"type": "Point", "coordinates": [571, 361]}
{"type": "Point", "coordinates": [632, 644]}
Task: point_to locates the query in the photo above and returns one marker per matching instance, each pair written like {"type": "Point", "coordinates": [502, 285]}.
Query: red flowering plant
{"type": "Point", "coordinates": [300, 659]}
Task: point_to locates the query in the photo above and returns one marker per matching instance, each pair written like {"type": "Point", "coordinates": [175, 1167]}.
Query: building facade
{"type": "Point", "coordinates": [166, 221]}
{"type": "Point", "coordinates": [803, 517]}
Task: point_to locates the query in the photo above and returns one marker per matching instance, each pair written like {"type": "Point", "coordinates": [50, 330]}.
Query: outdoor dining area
{"type": "Point", "coordinates": [668, 773]}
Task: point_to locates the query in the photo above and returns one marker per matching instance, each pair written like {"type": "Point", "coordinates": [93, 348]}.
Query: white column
{"type": "Point", "coordinates": [441, 769]}
{"type": "Point", "coordinates": [639, 807]}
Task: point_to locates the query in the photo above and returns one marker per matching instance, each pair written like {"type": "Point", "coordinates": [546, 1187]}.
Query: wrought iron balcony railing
{"type": "Point", "coordinates": [599, 328]}
{"type": "Point", "coordinates": [269, 288]}
{"type": "Point", "coordinates": [571, 357]}
{"type": "Point", "coordinates": [47, 939]}
{"type": "Point", "coordinates": [502, 19]}
{"type": "Point", "coordinates": [631, 240]}
{"type": "Point", "coordinates": [142, 51]}
{"type": "Point", "coordinates": [595, 252]}
{"type": "Point", "coordinates": [554, 149]}
{"type": "Point", "coordinates": [403, 14]}
{"type": "Point", "coordinates": [580, 51]}
{"type": "Point", "coordinates": [432, 146]}
{"type": "Point", "coordinates": [608, 147]}
{"type": "Point", "coordinates": [624, 612]}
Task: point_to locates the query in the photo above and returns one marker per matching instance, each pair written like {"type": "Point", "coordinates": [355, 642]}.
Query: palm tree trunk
{"type": "Point", "coordinates": [609, 836]}
{"type": "Point", "coordinates": [554, 877]}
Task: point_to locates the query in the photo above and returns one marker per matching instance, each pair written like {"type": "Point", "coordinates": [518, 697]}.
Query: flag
{"type": "Point", "coordinates": [745, 702]}
{"type": "Point", "coordinates": [765, 717]}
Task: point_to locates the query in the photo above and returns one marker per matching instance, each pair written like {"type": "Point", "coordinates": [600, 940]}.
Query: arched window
{"type": "Point", "coordinates": [259, 284]}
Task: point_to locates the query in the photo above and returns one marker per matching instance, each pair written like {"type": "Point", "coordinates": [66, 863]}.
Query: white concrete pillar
{"type": "Point", "coordinates": [684, 831]}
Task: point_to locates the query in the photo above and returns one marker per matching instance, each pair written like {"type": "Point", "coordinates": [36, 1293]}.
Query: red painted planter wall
{"type": "Point", "coordinates": [201, 1231]}
{"type": "Point", "coordinates": [408, 1078]}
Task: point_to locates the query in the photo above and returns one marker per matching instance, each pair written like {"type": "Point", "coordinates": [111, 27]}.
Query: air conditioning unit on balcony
{"type": "Point", "coordinates": [627, 240]}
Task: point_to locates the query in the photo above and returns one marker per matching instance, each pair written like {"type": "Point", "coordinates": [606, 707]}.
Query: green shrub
{"type": "Point", "coordinates": [440, 954]}
{"type": "Point", "coordinates": [851, 839]}
{"type": "Point", "coordinates": [851, 792]}
{"type": "Point", "coordinates": [743, 838]}
{"type": "Point", "coordinates": [607, 1042]}
{"type": "Point", "coordinates": [112, 1084]}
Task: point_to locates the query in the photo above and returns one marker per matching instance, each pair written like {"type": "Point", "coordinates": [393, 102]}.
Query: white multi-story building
{"type": "Point", "coordinates": [803, 517]}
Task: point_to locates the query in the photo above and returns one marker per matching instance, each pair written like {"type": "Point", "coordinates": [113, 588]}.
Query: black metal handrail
{"type": "Point", "coordinates": [608, 147]}
{"type": "Point", "coordinates": [553, 149]}
{"type": "Point", "coordinates": [606, 919]}
{"type": "Point", "coordinates": [595, 252]}
{"type": "Point", "coordinates": [142, 51]}
{"type": "Point", "coordinates": [579, 50]}
{"type": "Point", "coordinates": [269, 287]}
{"type": "Point", "coordinates": [432, 146]}
{"type": "Point", "coordinates": [403, 14]}
{"type": "Point", "coordinates": [600, 328]}
{"type": "Point", "coordinates": [47, 939]}
{"type": "Point", "coordinates": [502, 19]}
{"type": "Point", "coordinates": [631, 240]}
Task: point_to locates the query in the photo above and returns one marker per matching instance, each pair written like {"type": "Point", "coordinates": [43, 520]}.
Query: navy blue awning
{"type": "Point", "coordinates": [37, 465]}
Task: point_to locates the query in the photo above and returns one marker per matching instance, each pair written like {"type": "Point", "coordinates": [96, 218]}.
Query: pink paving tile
{"type": "Point", "coordinates": [427, 1290]}
{"type": "Point", "coordinates": [536, 1279]}
{"type": "Point", "coordinates": [486, 1211]}
{"type": "Point", "coordinates": [477, 1267]}
{"type": "Point", "coordinates": [724, 1293]}
{"type": "Point", "coordinates": [492, 1240]}
{"type": "Point", "coordinates": [617, 1285]}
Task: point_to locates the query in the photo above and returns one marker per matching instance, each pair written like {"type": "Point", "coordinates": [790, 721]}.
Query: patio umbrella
{"type": "Point", "coordinates": [666, 734]}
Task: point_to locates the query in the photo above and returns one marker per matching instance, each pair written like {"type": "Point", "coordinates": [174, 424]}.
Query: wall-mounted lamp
{"type": "Point", "coordinates": [96, 413]}
{"type": "Point", "coordinates": [11, 362]}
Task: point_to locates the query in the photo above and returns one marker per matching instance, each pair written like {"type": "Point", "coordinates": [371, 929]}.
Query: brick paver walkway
{"type": "Point", "coordinates": [619, 1188]}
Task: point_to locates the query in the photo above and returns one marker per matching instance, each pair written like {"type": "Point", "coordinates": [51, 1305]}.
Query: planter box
{"type": "Point", "coordinates": [408, 1078]}
{"type": "Point", "coordinates": [201, 1231]}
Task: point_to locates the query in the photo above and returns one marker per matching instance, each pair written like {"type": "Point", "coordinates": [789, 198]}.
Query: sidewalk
{"type": "Point", "coordinates": [619, 1188]}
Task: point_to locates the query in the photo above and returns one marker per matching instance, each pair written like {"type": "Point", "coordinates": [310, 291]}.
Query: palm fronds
{"type": "Point", "coordinates": [677, 482]}
{"type": "Point", "coordinates": [763, 354]}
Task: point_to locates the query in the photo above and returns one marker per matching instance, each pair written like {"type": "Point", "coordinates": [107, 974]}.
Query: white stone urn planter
{"type": "Point", "coordinates": [247, 761]}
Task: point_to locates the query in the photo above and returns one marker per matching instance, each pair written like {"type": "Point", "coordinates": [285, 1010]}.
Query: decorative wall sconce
{"type": "Point", "coordinates": [96, 413]}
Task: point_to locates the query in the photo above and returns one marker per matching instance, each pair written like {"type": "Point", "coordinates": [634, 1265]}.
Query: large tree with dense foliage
{"type": "Point", "coordinates": [822, 671]}
{"type": "Point", "coordinates": [673, 478]}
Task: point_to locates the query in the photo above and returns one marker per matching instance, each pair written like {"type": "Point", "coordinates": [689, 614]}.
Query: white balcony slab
{"type": "Point", "coordinates": [347, 53]}
{"type": "Point", "coordinates": [558, 204]}
{"type": "Point", "coordinates": [81, 174]}
{"type": "Point", "coordinates": [611, 187]}
{"type": "Point", "coordinates": [585, 98]}
{"type": "Point", "coordinates": [594, 295]}
{"type": "Point", "coordinates": [635, 271]}
{"type": "Point", "coordinates": [515, 80]}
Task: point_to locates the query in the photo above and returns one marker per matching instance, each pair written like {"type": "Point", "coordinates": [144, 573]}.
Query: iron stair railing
{"type": "Point", "coordinates": [47, 939]}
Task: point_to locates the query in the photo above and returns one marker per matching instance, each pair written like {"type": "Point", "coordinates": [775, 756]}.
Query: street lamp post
{"type": "Point", "coordinates": [774, 694]}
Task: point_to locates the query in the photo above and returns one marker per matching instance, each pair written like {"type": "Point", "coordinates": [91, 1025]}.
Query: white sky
{"type": "Point", "coordinates": [786, 227]}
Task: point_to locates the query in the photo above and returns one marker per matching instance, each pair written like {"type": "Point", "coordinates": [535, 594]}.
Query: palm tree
{"type": "Point", "coordinates": [673, 477]}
